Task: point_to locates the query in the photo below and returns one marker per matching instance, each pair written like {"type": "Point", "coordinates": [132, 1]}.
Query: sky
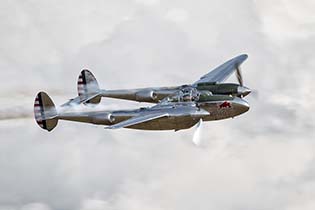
{"type": "Point", "coordinates": [262, 160]}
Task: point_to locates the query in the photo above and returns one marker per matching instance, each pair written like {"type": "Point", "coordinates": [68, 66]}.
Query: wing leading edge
{"type": "Point", "coordinates": [223, 71]}
{"type": "Point", "coordinates": [137, 120]}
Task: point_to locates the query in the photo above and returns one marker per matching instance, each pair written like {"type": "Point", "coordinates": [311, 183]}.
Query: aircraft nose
{"type": "Point", "coordinates": [243, 91]}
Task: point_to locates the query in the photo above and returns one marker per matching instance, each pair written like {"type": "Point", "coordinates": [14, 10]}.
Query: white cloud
{"type": "Point", "coordinates": [284, 21]}
{"type": "Point", "coordinates": [177, 15]}
{"type": "Point", "coordinates": [35, 206]}
{"type": "Point", "coordinates": [94, 204]}
{"type": "Point", "coordinates": [148, 2]}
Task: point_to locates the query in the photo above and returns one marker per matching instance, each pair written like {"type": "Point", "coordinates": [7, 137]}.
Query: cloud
{"type": "Point", "coordinates": [261, 160]}
{"type": "Point", "coordinates": [285, 21]}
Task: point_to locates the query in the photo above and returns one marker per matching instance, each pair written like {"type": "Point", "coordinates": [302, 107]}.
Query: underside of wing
{"type": "Point", "coordinates": [137, 120]}
{"type": "Point", "coordinates": [223, 71]}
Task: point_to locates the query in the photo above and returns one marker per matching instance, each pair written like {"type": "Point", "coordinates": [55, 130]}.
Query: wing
{"type": "Point", "coordinates": [223, 71]}
{"type": "Point", "coordinates": [137, 120]}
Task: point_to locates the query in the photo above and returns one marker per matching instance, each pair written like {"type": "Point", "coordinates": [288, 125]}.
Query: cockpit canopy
{"type": "Point", "coordinates": [185, 94]}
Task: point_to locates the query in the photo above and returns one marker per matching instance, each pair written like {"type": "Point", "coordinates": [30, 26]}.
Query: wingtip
{"type": "Point", "coordinates": [240, 59]}
{"type": "Point", "coordinates": [243, 56]}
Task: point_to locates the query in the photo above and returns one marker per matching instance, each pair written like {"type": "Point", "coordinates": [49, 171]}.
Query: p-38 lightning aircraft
{"type": "Point", "coordinates": [177, 108]}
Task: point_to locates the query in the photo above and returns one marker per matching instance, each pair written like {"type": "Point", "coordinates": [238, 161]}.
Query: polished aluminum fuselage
{"type": "Point", "coordinates": [181, 115]}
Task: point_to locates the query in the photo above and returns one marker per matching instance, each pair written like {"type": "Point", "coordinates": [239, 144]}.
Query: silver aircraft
{"type": "Point", "coordinates": [181, 108]}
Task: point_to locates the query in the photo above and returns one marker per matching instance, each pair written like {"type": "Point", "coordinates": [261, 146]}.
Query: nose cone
{"type": "Point", "coordinates": [241, 106]}
{"type": "Point", "coordinates": [243, 91]}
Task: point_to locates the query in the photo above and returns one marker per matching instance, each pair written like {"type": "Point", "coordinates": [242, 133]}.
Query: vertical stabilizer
{"type": "Point", "coordinates": [88, 89]}
{"type": "Point", "coordinates": [45, 112]}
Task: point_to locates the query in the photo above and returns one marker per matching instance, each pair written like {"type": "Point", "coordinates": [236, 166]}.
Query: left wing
{"type": "Point", "coordinates": [223, 71]}
{"type": "Point", "coordinates": [137, 120]}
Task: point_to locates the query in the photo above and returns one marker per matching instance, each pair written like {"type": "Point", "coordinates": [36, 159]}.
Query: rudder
{"type": "Point", "coordinates": [45, 112]}
{"type": "Point", "coordinates": [88, 89]}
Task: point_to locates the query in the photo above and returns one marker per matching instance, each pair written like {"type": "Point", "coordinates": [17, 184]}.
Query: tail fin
{"type": "Point", "coordinates": [45, 112]}
{"type": "Point", "coordinates": [88, 89]}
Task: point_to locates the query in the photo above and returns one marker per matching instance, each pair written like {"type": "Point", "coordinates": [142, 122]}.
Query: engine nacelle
{"type": "Point", "coordinates": [146, 96]}
{"type": "Point", "coordinates": [225, 89]}
{"type": "Point", "coordinates": [104, 119]}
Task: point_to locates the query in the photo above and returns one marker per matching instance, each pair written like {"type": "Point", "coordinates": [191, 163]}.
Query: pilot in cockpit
{"type": "Point", "coordinates": [189, 94]}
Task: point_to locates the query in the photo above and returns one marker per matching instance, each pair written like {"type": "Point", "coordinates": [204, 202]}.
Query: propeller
{"type": "Point", "coordinates": [239, 75]}
{"type": "Point", "coordinates": [197, 134]}
{"type": "Point", "coordinates": [242, 90]}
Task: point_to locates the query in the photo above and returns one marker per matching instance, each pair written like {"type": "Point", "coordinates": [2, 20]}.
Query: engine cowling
{"type": "Point", "coordinates": [146, 96]}
{"type": "Point", "coordinates": [103, 119]}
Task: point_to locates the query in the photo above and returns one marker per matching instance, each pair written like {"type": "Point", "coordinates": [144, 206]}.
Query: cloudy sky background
{"type": "Point", "coordinates": [263, 160]}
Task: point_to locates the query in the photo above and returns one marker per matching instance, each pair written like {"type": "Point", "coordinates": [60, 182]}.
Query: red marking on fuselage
{"type": "Point", "coordinates": [225, 104]}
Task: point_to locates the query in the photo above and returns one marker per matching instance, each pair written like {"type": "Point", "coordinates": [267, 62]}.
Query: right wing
{"type": "Point", "coordinates": [137, 120]}
{"type": "Point", "coordinates": [223, 71]}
